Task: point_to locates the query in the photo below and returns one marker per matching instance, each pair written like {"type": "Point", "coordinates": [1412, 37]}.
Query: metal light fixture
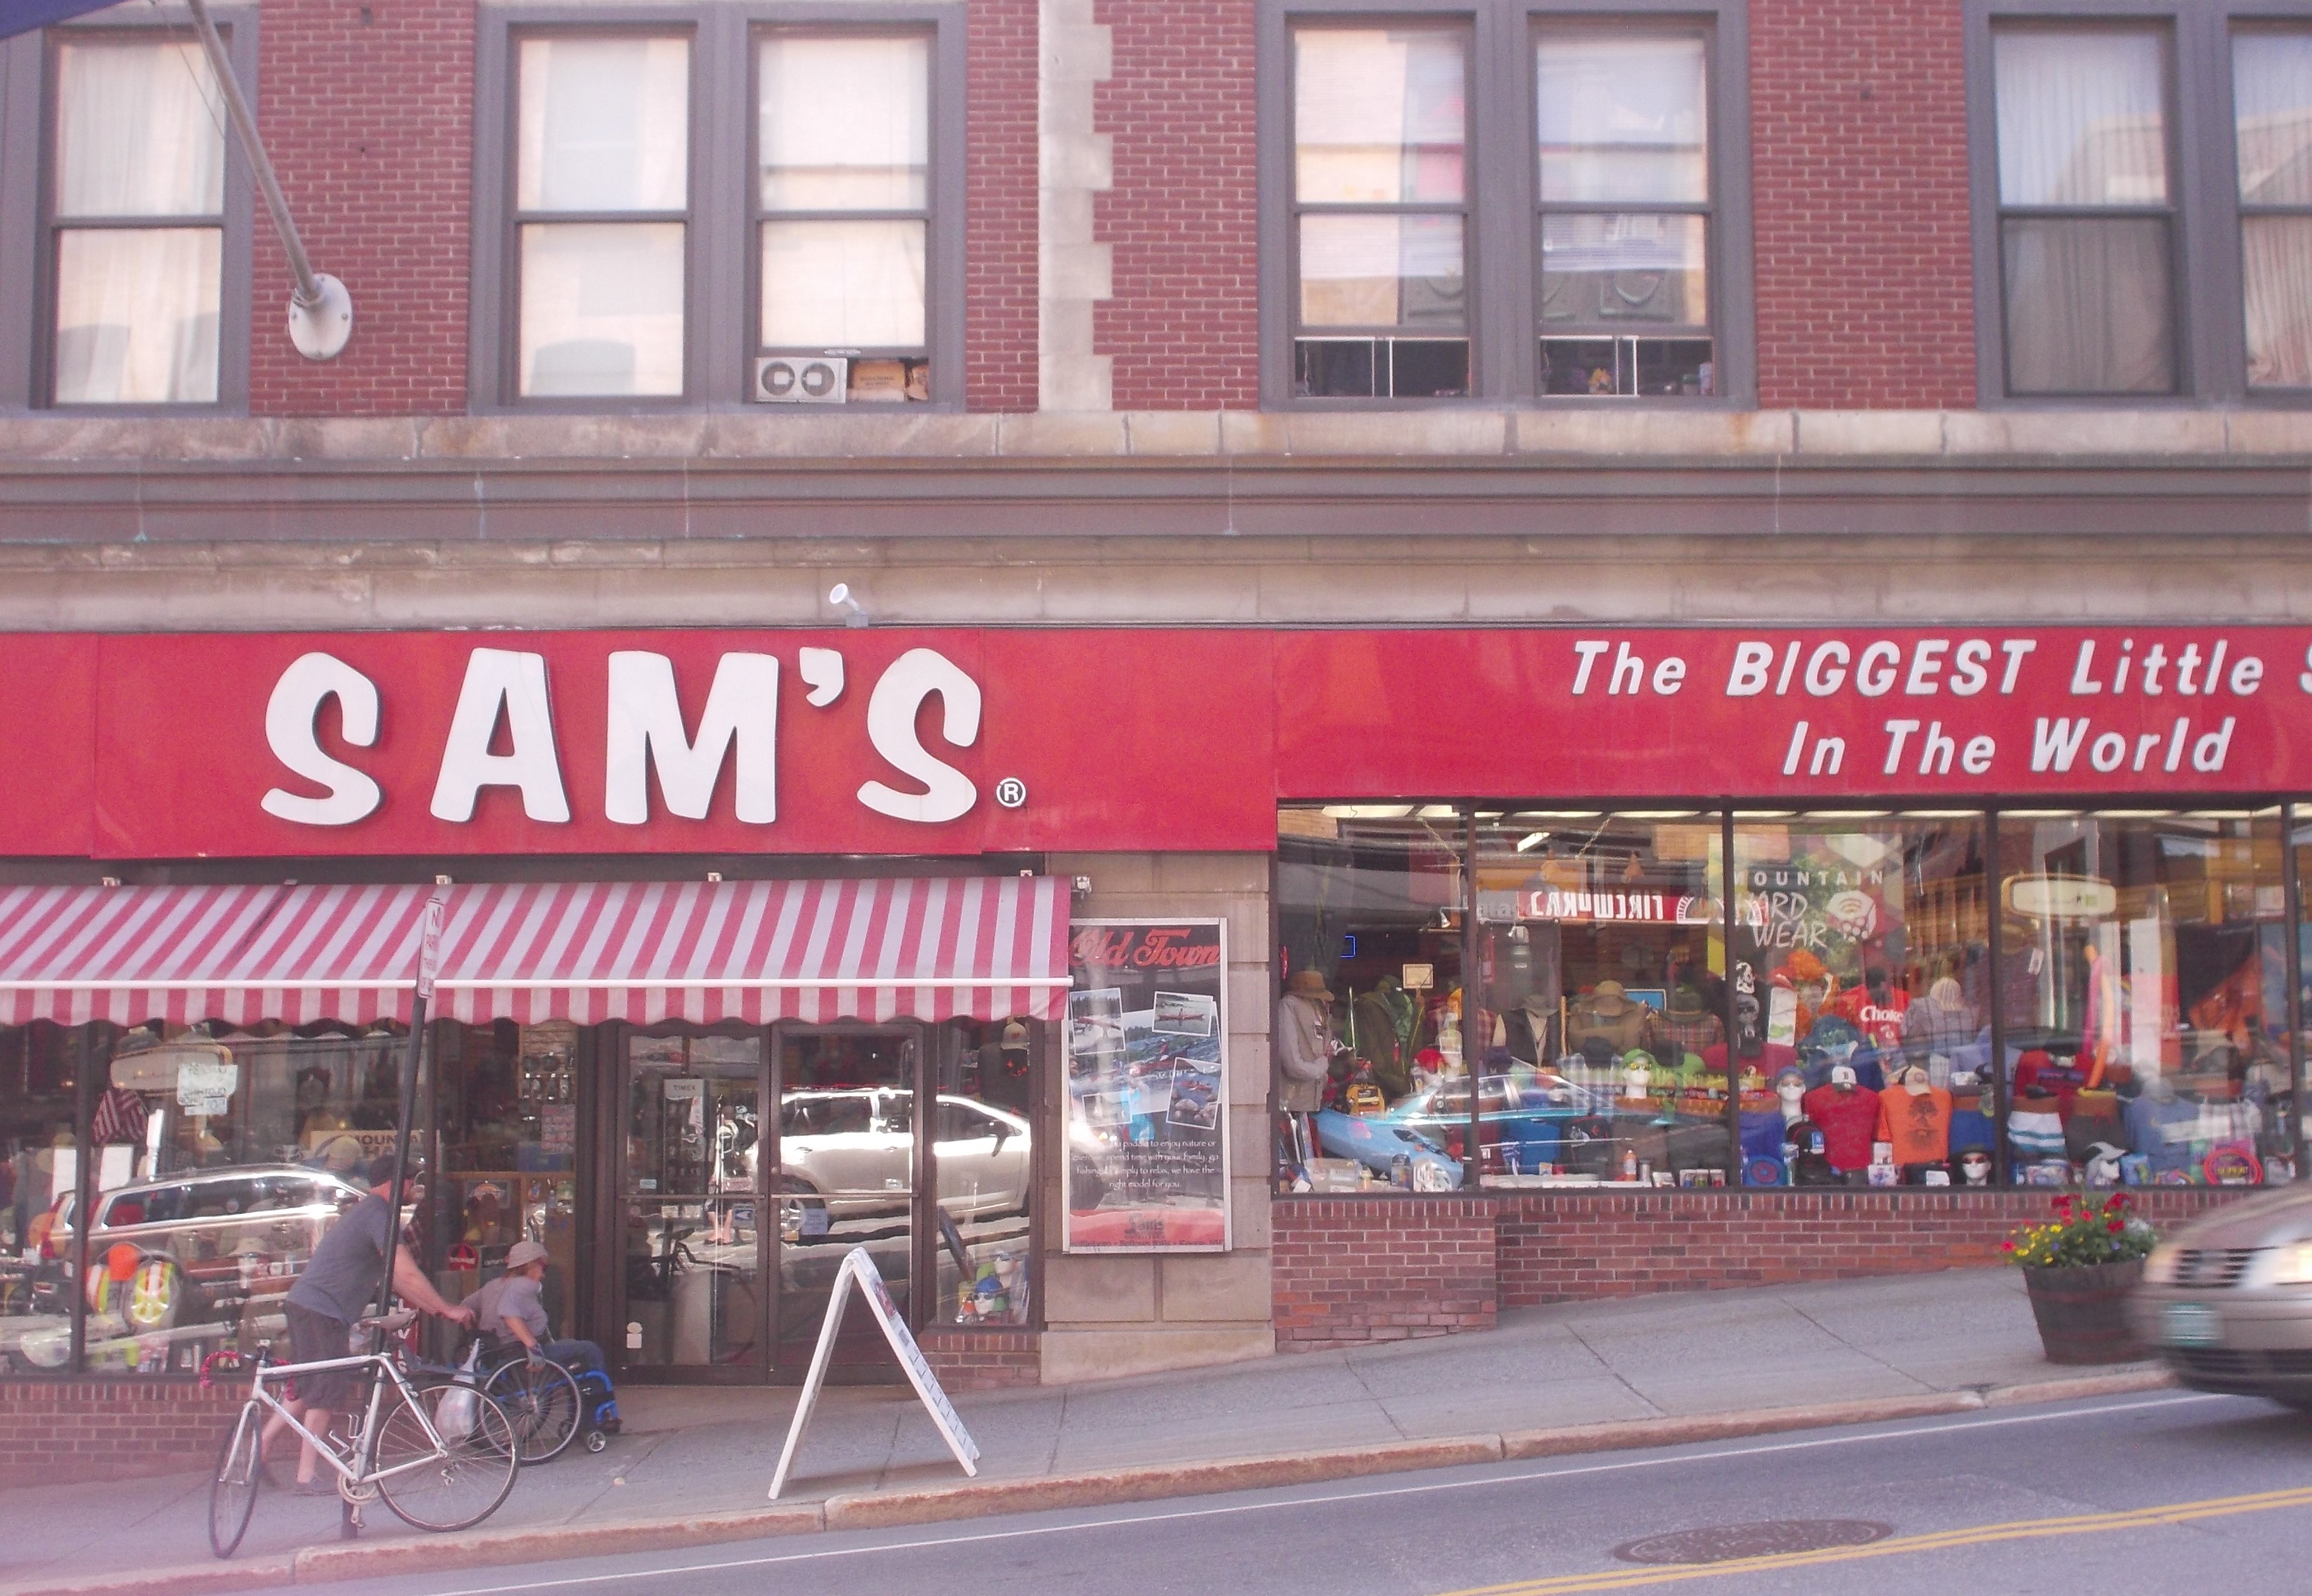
{"type": "Point", "coordinates": [839, 595]}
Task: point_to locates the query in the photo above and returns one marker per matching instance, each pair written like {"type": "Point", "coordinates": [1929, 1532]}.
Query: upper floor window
{"type": "Point", "coordinates": [2142, 200]}
{"type": "Point", "coordinates": [1380, 211]}
{"type": "Point", "coordinates": [2087, 211]}
{"type": "Point", "coordinates": [731, 205]}
{"type": "Point", "coordinates": [135, 216]}
{"type": "Point", "coordinates": [602, 211]}
{"type": "Point", "coordinates": [2272, 110]}
{"type": "Point", "coordinates": [1501, 200]}
{"type": "Point", "coordinates": [843, 196]}
{"type": "Point", "coordinates": [1625, 195]}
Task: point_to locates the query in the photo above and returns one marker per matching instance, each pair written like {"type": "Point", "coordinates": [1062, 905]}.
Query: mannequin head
{"type": "Point", "coordinates": [1974, 1167]}
{"type": "Point", "coordinates": [1790, 1085]}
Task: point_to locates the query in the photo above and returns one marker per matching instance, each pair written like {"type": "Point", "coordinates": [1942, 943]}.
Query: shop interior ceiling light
{"type": "Point", "coordinates": [1369, 811]}
{"type": "Point", "coordinates": [1530, 841]}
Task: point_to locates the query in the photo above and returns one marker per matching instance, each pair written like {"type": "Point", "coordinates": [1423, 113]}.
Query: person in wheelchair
{"type": "Point", "coordinates": [511, 1318]}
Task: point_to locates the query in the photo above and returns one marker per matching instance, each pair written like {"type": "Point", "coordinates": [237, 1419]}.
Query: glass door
{"type": "Point", "coordinates": [846, 1176]}
{"type": "Point", "coordinates": [693, 1302]}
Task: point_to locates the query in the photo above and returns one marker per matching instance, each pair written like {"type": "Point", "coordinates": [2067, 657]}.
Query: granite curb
{"type": "Point", "coordinates": [976, 1498]}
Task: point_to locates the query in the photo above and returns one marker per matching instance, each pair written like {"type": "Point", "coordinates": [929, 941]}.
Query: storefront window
{"type": "Point", "coordinates": [2143, 992]}
{"type": "Point", "coordinates": [1603, 1055]}
{"type": "Point", "coordinates": [1861, 947]}
{"type": "Point", "coordinates": [219, 1161]}
{"type": "Point", "coordinates": [509, 1115]}
{"type": "Point", "coordinates": [41, 1153]}
{"type": "Point", "coordinates": [1368, 1040]}
{"type": "Point", "coordinates": [984, 1172]}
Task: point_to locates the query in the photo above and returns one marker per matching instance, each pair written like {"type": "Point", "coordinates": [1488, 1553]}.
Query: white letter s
{"type": "Point", "coordinates": [297, 699]}
{"type": "Point", "coordinates": [913, 677]}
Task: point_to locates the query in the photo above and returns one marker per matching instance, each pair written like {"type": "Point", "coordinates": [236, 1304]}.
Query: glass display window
{"type": "Point", "coordinates": [1369, 1034]}
{"type": "Point", "coordinates": [1602, 1057]}
{"type": "Point", "coordinates": [1860, 952]}
{"type": "Point", "coordinates": [2142, 988]}
{"type": "Point", "coordinates": [983, 1174]}
{"type": "Point", "coordinates": [217, 1159]}
{"type": "Point", "coordinates": [509, 1114]}
{"type": "Point", "coordinates": [39, 1173]}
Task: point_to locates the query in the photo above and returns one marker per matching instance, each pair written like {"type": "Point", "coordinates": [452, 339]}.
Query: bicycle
{"type": "Point", "coordinates": [437, 1466]}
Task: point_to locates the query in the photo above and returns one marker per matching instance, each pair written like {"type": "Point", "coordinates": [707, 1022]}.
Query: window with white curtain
{"type": "Point", "coordinates": [1380, 217]}
{"type": "Point", "coordinates": [1624, 186]}
{"type": "Point", "coordinates": [136, 222]}
{"type": "Point", "coordinates": [843, 199]}
{"type": "Point", "coordinates": [2272, 110]}
{"type": "Point", "coordinates": [2087, 209]}
{"type": "Point", "coordinates": [601, 214]}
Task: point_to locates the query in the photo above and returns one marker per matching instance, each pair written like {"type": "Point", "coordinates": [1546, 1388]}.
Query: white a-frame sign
{"type": "Point", "coordinates": [859, 1269]}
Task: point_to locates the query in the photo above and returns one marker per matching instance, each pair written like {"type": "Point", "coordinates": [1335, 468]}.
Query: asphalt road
{"type": "Point", "coordinates": [2167, 1492]}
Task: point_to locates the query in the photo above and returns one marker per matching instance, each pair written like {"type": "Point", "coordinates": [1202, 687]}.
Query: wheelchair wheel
{"type": "Point", "coordinates": [541, 1402]}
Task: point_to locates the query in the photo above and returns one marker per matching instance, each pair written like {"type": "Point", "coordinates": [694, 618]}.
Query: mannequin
{"type": "Point", "coordinates": [1637, 1076]}
{"type": "Point", "coordinates": [1790, 1085]}
{"type": "Point", "coordinates": [1974, 1167]}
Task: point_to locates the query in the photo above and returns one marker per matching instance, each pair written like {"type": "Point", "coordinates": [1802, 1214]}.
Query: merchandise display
{"type": "Point", "coordinates": [2048, 998]}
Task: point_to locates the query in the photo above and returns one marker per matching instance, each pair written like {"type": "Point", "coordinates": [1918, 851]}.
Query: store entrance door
{"type": "Point", "coordinates": [691, 1287]}
{"type": "Point", "coordinates": [848, 1168]}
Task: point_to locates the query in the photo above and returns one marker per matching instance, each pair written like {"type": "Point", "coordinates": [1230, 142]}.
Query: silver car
{"type": "Point", "coordinates": [2227, 1300]}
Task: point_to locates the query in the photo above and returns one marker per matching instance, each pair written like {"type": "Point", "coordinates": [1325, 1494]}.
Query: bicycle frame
{"type": "Point", "coordinates": [361, 1471]}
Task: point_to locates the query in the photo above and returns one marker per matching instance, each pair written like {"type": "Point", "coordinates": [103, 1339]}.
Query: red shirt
{"type": "Point", "coordinates": [1848, 1121]}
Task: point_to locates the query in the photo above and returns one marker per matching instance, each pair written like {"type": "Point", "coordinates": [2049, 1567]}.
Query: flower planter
{"type": "Point", "coordinates": [2082, 1310]}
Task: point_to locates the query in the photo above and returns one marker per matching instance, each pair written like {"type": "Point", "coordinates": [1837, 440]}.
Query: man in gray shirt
{"type": "Point", "coordinates": [336, 1287]}
{"type": "Point", "coordinates": [508, 1309]}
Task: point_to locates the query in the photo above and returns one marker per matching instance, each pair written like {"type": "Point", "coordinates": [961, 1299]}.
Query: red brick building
{"type": "Point", "coordinates": [1646, 545]}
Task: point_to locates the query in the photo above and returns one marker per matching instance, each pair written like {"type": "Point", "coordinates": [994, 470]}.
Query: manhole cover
{"type": "Point", "coordinates": [1724, 1543]}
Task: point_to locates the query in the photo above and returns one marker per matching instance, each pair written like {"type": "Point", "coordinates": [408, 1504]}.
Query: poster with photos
{"type": "Point", "coordinates": [1147, 1099]}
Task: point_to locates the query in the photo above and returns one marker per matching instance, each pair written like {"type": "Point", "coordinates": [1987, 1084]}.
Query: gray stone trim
{"type": "Point", "coordinates": [1595, 438]}
{"type": "Point", "coordinates": [1179, 581]}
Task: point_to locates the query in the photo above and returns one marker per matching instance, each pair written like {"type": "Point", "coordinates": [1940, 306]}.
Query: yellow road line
{"type": "Point", "coordinates": [2092, 1523]}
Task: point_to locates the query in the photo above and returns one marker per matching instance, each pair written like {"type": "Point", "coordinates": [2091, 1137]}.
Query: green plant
{"type": "Point", "coordinates": [2082, 1234]}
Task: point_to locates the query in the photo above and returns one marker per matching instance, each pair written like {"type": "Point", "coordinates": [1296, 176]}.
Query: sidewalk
{"type": "Point", "coordinates": [694, 1464]}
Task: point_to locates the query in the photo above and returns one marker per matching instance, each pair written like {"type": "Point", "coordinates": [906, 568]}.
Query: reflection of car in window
{"type": "Point", "coordinates": [854, 1149]}
{"type": "Point", "coordinates": [199, 1257]}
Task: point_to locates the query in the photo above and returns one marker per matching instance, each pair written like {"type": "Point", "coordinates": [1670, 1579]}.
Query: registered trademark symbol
{"type": "Point", "coordinates": [1011, 792]}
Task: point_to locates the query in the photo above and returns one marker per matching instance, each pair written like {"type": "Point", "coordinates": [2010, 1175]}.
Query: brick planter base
{"type": "Point", "coordinates": [1351, 1271]}
{"type": "Point", "coordinates": [984, 1359]}
{"type": "Point", "coordinates": [58, 1432]}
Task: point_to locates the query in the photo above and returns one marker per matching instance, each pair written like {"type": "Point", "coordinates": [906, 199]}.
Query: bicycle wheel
{"type": "Point", "coordinates": [458, 1483]}
{"type": "Point", "coordinates": [233, 1493]}
{"type": "Point", "coordinates": [541, 1402]}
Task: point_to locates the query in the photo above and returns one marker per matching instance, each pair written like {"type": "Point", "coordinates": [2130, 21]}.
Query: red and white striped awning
{"type": "Point", "coordinates": [644, 952]}
{"type": "Point", "coordinates": [926, 949]}
{"type": "Point", "coordinates": [182, 954]}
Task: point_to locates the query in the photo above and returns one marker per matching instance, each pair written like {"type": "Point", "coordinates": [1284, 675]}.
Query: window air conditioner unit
{"type": "Point", "coordinates": [801, 378]}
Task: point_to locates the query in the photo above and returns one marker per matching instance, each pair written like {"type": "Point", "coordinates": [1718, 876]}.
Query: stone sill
{"type": "Point", "coordinates": [1541, 438]}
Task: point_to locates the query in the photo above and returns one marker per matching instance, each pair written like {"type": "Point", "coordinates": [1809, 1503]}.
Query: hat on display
{"type": "Point", "coordinates": [1687, 999]}
{"type": "Point", "coordinates": [1841, 1074]}
{"type": "Point", "coordinates": [1308, 983]}
{"type": "Point", "coordinates": [522, 1254]}
{"type": "Point", "coordinates": [1609, 999]}
{"type": "Point", "coordinates": [1790, 1072]}
{"type": "Point", "coordinates": [1015, 1037]}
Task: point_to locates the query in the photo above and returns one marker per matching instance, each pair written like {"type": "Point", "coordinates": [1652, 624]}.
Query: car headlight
{"type": "Point", "coordinates": [2290, 1265]}
{"type": "Point", "coordinates": [2159, 1268]}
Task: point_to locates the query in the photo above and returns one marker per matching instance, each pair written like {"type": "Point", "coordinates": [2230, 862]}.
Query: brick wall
{"type": "Point", "coordinates": [367, 111]}
{"type": "Point", "coordinates": [57, 1431]}
{"type": "Point", "coordinates": [999, 229]}
{"type": "Point", "coordinates": [1183, 322]}
{"type": "Point", "coordinates": [1572, 1248]}
{"type": "Point", "coordinates": [1351, 1271]}
{"type": "Point", "coordinates": [1348, 1273]}
{"type": "Point", "coordinates": [1858, 180]}
{"type": "Point", "coordinates": [984, 1360]}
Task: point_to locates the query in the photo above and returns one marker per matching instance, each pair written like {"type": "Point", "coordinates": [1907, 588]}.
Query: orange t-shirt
{"type": "Point", "coordinates": [1918, 1125]}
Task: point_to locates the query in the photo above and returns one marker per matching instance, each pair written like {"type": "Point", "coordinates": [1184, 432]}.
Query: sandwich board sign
{"type": "Point", "coordinates": [859, 1269]}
